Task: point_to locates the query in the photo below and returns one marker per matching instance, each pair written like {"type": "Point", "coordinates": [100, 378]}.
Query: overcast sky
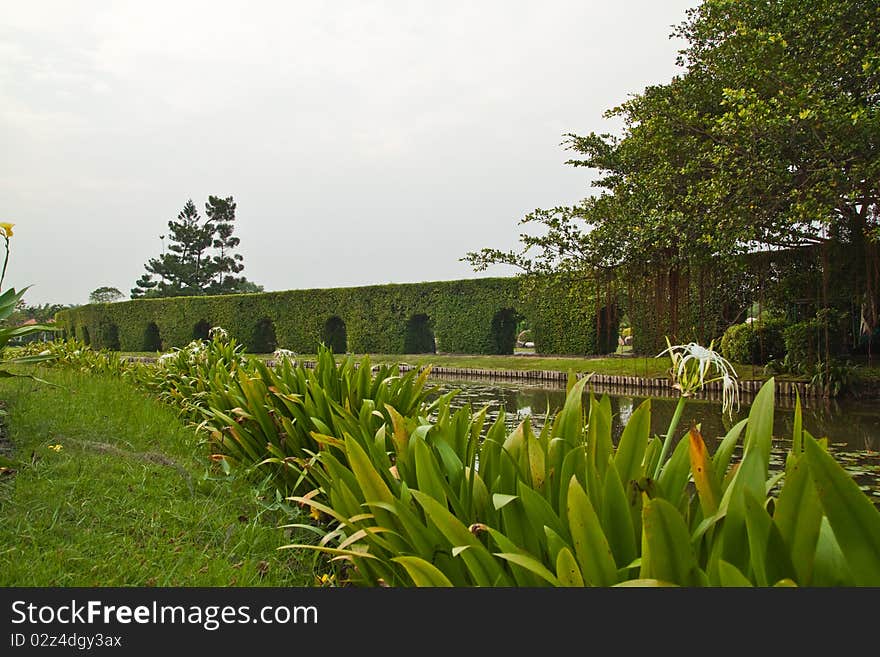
{"type": "Point", "coordinates": [364, 142]}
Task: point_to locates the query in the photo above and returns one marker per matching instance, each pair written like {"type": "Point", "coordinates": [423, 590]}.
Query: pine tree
{"type": "Point", "coordinates": [221, 213]}
{"type": "Point", "coordinates": [200, 259]}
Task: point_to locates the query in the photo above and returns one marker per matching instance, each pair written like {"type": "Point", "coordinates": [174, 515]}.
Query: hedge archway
{"type": "Point", "coordinates": [263, 340]}
{"type": "Point", "coordinates": [334, 335]}
{"type": "Point", "coordinates": [110, 337]}
{"type": "Point", "coordinates": [152, 338]}
{"type": "Point", "coordinates": [504, 324]}
{"type": "Point", "coordinates": [201, 330]}
{"type": "Point", "coordinates": [419, 337]}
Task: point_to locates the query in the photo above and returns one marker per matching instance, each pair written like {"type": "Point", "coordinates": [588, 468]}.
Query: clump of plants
{"type": "Point", "coordinates": [276, 419]}
{"type": "Point", "coordinates": [456, 503]}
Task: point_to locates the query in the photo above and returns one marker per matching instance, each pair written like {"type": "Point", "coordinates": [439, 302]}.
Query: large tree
{"type": "Point", "coordinates": [769, 138]}
{"type": "Point", "coordinates": [200, 258]}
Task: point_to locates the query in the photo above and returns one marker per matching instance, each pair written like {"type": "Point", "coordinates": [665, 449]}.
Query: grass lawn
{"type": "Point", "coordinates": [128, 499]}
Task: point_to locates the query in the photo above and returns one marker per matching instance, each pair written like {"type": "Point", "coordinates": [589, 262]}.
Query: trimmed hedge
{"type": "Point", "coordinates": [477, 316]}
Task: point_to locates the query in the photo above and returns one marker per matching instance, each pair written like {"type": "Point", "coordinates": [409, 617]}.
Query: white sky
{"type": "Point", "coordinates": [364, 142]}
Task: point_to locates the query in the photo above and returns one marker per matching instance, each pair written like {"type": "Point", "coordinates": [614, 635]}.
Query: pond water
{"type": "Point", "coordinates": [851, 426]}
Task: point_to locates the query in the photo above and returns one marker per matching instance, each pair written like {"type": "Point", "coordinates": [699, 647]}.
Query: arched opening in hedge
{"type": "Point", "coordinates": [504, 325]}
{"type": "Point", "coordinates": [607, 329]}
{"type": "Point", "coordinates": [334, 335]}
{"type": "Point", "coordinates": [201, 330]}
{"type": "Point", "coordinates": [152, 338]}
{"type": "Point", "coordinates": [86, 338]}
{"type": "Point", "coordinates": [110, 337]}
{"type": "Point", "coordinates": [419, 337]}
{"type": "Point", "coordinates": [263, 340]}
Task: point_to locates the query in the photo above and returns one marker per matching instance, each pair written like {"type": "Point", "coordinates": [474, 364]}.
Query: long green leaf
{"type": "Point", "coordinates": [617, 520]}
{"type": "Point", "coordinates": [731, 576]}
{"type": "Point", "coordinates": [853, 517]}
{"type": "Point", "coordinates": [590, 545]}
{"type": "Point", "coordinates": [633, 442]}
{"type": "Point", "coordinates": [567, 570]}
{"type": "Point", "coordinates": [759, 430]}
{"type": "Point", "coordinates": [798, 515]}
{"type": "Point", "coordinates": [422, 572]}
{"type": "Point", "coordinates": [667, 554]}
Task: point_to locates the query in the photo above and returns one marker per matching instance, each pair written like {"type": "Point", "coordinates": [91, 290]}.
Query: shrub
{"type": "Point", "coordinates": [755, 343]}
{"type": "Point", "coordinates": [805, 342]}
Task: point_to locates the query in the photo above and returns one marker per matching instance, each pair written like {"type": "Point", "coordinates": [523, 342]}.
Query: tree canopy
{"type": "Point", "coordinates": [768, 138]}
{"type": "Point", "coordinates": [201, 256]}
{"type": "Point", "coordinates": [105, 294]}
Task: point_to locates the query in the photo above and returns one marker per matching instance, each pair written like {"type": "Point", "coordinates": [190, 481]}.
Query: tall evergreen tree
{"type": "Point", "coordinates": [221, 213]}
{"type": "Point", "coordinates": [200, 259]}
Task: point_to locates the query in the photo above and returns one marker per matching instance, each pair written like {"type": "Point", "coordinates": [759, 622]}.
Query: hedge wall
{"type": "Point", "coordinates": [477, 316]}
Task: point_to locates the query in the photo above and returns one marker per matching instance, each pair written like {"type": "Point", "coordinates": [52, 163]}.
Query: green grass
{"type": "Point", "coordinates": [130, 499]}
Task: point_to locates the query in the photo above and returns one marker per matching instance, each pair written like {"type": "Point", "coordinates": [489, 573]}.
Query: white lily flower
{"type": "Point", "coordinates": [692, 363]}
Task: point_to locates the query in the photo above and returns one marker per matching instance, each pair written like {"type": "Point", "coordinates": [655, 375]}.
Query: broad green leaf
{"type": "Point", "coordinates": [531, 564]}
{"type": "Point", "coordinates": [675, 473]}
{"type": "Point", "coordinates": [484, 570]}
{"type": "Point", "coordinates": [567, 570]}
{"type": "Point", "coordinates": [569, 422]}
{"type": "Point", "coordinates": [633, 443]}
{"type": "Point", "coordinates": [829, 566]}
{"type": "Point", "coordinates": [590, 545]}
{"type": "Point", "coordinates": [599, 444]}
{"type": "Point", "coordinates": [759, 430]}
{"type": "Point", "coordinates": [500, 500]}
{"type": "Point", "coordinates": [428, 475]}
{"type": "Point", "coordinates": [798, 515]}
{"type": "Point", "coordinates": [731, 543]}
{"type": "Point", "coordinates": [538, 510]}
{"type": "Point", "coordinates": [422, 572]}
{"type": "Point", "coordinates": [731, 576]}
{"type": "Point", "coordinates": [617, 519]}
{"type": "Point", "coordinates": [853, 517]}
{"type": "Point", "coordinates": [536, 462]}
{"type": "Point", "coordinates": [767, 552]}
{"type": "Point", "coordinates": [523, 576]}
{"type": "Point", "coordinates": [645, 583]}
{"type": "Point", "coordinates": [666, 547]}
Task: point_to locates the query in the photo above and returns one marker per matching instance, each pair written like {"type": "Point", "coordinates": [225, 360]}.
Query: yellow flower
{"type": "Point", "coordinates": [57, 447]}
{"type": "Point", "coordinates": [6, 229]}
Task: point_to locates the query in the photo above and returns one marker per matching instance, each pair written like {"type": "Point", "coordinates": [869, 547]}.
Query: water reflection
{"type": "Point", "coordinates": [852, 427]}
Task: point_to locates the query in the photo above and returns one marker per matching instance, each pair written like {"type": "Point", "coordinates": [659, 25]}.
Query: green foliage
{"type": "Point", "coordinates": [10, 300]}
{"type": "Point", "coordinates": [755, 343]}
{"type": "Point", "coordinates": [105, 294]}
{"type": "Point", "coordinates": [762, 142]}
{"type": "Point", "coordinates": [467, 316]}
{"type": "Point", "coordinates": [466, 504]}
{"type": "Point", "coordinates": [415, 494]}
{"type": "Point", "coordinates": [190, 266]}
{"type": "Point", "coordinates": [274, 418]}
{"type": "Point", "coordinates": [808, 342]}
